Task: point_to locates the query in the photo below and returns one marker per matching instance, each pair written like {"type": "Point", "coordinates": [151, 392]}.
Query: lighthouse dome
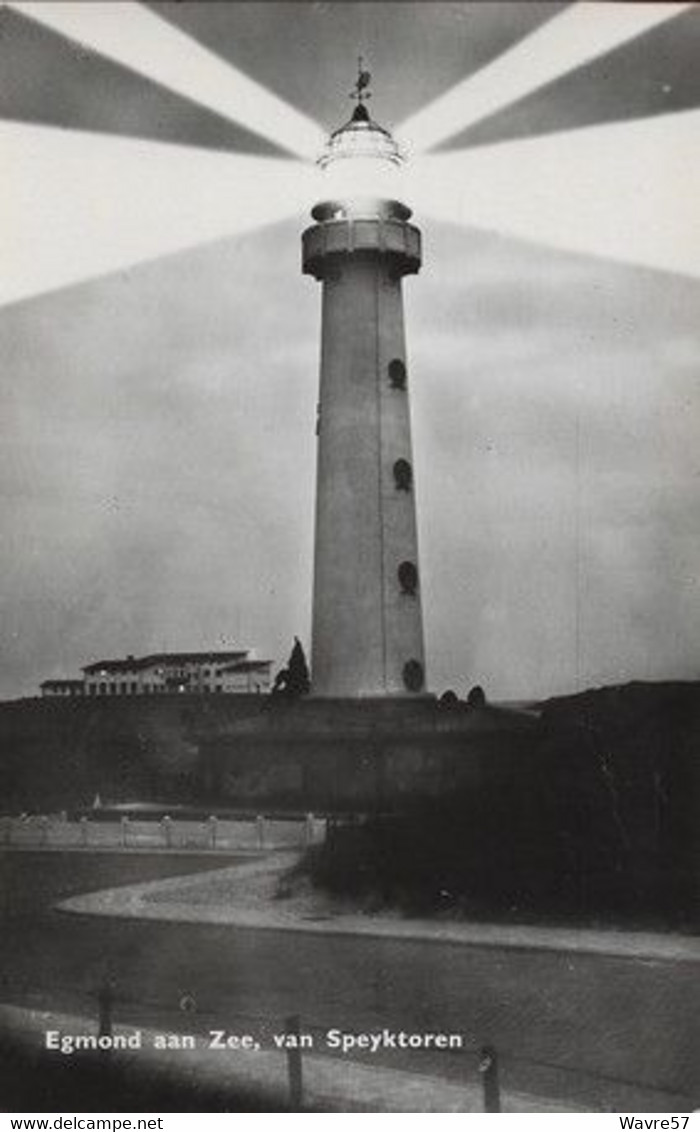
{"type": "Point", "coordinates": [361, 169]}
{"type": "Point", "coordinates": [361, 138]}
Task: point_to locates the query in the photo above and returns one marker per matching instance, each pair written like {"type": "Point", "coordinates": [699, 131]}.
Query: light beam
{"type": "Point", "coordinates": [626, 191]}
{"type": "Point", "coordinates": [576, 36]}
{"type": "Point", "coordinates": [79, 205]}
{"type": "Point", "coordinates": [134, 36]}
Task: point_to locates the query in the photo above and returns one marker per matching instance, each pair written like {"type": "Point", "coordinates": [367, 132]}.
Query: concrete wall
{"type": "Point", "coordinates": [244, 750]}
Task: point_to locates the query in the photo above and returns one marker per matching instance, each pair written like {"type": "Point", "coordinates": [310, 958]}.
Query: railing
{"type": "Point", "coordinates": [259, 832]}
{"type": "Point", "coordinates": [478, 1076]}
{"type": "Point", "coordinates": [111, 1016]}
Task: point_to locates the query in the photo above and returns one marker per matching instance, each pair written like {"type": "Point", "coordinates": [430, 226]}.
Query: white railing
{"type": "Point", "coordinates": [51, 831]}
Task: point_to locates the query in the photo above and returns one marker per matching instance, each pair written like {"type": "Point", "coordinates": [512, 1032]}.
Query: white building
{"type": "Point", "coordinates": [197, 673]}
{"type": "Point", "coordinates": [63, 688]}
{"type": "Point", "coordinates": [246, 676]}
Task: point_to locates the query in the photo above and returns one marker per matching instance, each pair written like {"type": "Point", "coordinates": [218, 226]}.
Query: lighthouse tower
{"type": "Point", "coordinates": [367, 633]}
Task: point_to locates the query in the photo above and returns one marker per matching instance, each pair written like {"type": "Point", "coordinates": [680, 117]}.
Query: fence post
{"type": "Point", "coordinates": [213, 830]}
{"type": "Point", "coordinates": [292, 1028]}
{"type": "Point", "coordinates": [260, 829]}
{"type": "Point", "coordinates": [84, 830]}
{"type": "Point", "coordinates": [44, 824]}
{"type": "Point", "coordinates": [167, 831]}
{"type": "Point", "coordinates": [125, 830]}
{"type": "Point", "coordinates": [105, 999]}
{"type": "Point", "coordinates": [309, 830]}
{"type": "Point", "coordinates": [488, 1068]}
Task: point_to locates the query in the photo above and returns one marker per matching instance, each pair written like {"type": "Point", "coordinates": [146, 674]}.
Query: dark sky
{"type": "Point", "coordinates": [158, 464]}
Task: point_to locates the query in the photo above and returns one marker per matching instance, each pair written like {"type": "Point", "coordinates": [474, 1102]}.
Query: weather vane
{"type": "Point", "coordinates": [362, 82]}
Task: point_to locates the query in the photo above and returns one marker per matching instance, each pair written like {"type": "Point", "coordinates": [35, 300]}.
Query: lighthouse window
{"type": "Point", "coordinates": [397, 374]}
{"type": "Point", "coordinates": [403, 475]}
{"type": "Point", "coordinates": [413, 676]}
{"type": "Point", "coordinates": [408, 577]}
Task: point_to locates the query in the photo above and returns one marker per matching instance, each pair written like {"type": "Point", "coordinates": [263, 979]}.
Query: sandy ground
{"type": "Point", "coordinates": [260, 895]}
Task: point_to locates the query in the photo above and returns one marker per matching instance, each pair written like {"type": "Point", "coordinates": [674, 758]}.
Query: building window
{"type": "Point", "coordinates": [103, 689]}
{"type": "Point", "coordinates": [403, 475]}
{"type": "Point", "coordinates": [397, 374]}
{"type": "Point", "coordinates": [413, 675]}
{"type": "Point", "coordinates": [408, 578]}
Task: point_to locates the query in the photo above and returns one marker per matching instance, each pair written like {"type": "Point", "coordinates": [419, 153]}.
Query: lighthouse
{"type": "Point", "coordinates": [367, 630]}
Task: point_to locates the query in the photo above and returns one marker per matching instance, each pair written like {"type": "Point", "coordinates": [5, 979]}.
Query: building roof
{"type": "Point", "coordinates": [112, 666]}
{"type": "Point", "coordinates": [62, 682]}
{"type": "Point", "coordinates": [134, 664]}
{"type": "Point", "coordinates": [247, 666]}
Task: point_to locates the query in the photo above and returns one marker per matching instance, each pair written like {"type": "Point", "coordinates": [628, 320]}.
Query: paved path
{"type": "Point", "coordinates": [246, 896]}
{"type": "Point", "coordinates": [612, 1032]}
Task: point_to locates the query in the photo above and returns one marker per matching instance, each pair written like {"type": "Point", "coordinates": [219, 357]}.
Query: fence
{"type": "Point", "coordinates": [260, 832]}
{"type": "Point", "coordinates": [480, 1076]}
{"type": "Point", "coordinates": [109, 1007]}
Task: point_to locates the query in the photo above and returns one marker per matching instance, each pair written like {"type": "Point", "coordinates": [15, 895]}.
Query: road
{"type": "Point", "coordinates": [578, 1026]}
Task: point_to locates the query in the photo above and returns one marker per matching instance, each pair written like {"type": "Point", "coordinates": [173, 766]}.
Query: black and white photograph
{"type": "Point", "coordinates": [350, 680]}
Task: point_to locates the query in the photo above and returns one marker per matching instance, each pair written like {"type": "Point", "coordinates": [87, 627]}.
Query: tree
{"type": "Point", "coordinates": [449, 698]}
{"type": "Point", "coordinates": [294, 679]}
{"type": "Point", "coordinates": [298, 682]}
{"type": "Point", "coordinates": [476, 697]}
